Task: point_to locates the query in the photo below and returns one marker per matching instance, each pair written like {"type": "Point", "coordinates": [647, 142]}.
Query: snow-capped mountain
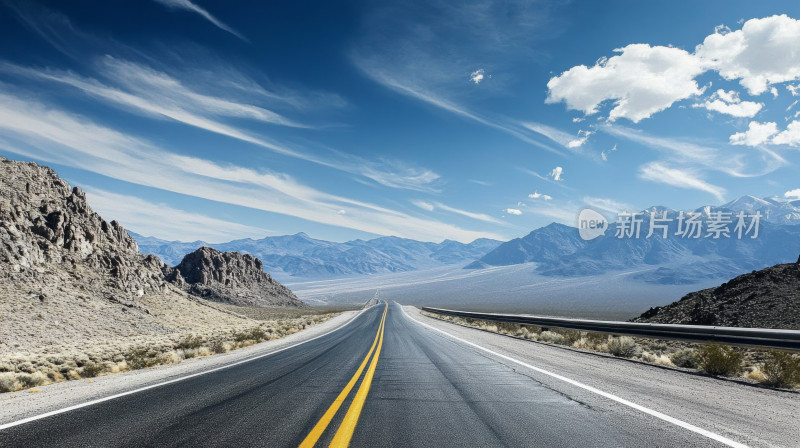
{"type": "Point", "coordinates": [300, 255]}
{"type": "Point", "coordinates": [774, 209]}
{"type": "Point", "coordinates": [559, 251]}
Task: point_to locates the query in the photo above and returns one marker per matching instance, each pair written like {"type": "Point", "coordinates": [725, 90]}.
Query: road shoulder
{"type": "Point", "coordinates": [755, 415]}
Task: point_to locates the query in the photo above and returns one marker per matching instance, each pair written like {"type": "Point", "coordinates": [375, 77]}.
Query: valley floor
{"type": "Point", "coordinates": [511, 289]}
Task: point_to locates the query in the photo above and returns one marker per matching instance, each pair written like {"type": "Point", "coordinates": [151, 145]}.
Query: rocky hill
{"type": "Point", "coordinates": [48, 229]}
{"type": "Point", "coordinates": [769, 298]}
{"type": "Point", "coordinates": [229, 277]}
{"type": "Point", "coordinates": [66, 274]}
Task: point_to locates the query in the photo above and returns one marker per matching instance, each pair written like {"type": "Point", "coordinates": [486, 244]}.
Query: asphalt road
{"type": "Point", "coordinates": [381, 380]}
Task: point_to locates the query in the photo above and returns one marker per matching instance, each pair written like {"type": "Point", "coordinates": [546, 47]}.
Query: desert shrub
{"type": "Point", "coordinates": [505, 327]}
{"type": "Point", "coordinates": [241, 336]}
{"type": "Point", "coordinates": [755, 373]}
{"type": "Point", "coordinates": [190, 342]}
{"type": "Point", "coordinates": [781, 369]}
{"type": "Point", "coordinates": [570, 336]}
{"type": "Point", "coordinates": [663, 360]}
{"type": "Point", "coordinates": [685, 358]}
{"type": "Point", "coordinates": [551, 336]}
{"type": "Point", "coordinates": [595, 338]}
{"type": "Point", "coordinates": [258, 334]}
{"type": "Point", "coordinates": [716, 359]}
{"type": "Point", "coordinates": [648, 357]}
{"type": "Point", "coordinates": [623, 346]}
{"type": "Point", "coordinates": [140, 357]}
{"type": "Point", "coordinates": [8, 382]}
{"type": "Point", "coordinates": [92, 370]}
{"type": "Point", "coordinates": [218, 346]}
{"type": "Point", "coordinates": [31, 380]}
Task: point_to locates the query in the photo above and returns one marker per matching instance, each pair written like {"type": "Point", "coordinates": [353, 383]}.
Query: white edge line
{"type": "Point", "coordinates": [174, 380]}
{"type": "Point", "coordinates": [667, 418]}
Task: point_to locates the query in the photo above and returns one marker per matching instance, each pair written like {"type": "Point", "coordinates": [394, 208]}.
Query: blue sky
{"type": "Point", "coordinates": [219, 120]}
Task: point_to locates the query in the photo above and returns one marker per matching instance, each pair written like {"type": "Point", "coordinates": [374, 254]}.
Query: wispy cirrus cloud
{"type": "Point", "coordinates": [141, 89]}
{"type": "Point", "coordinates": [548, 178]}
{"type": "Point", "coordinates": [428, 60]}
{"type": "Point", "coordinates": [166, 222]}
{"type": "Point", "coordinates": [187, 5]}
{"type": "Point", "coordinates": [607, 204]}
{"type": "Point", "coordinates": [410, 87]}
{"type": "Point", "coordinates": [206, 94]}
{"type": "Point", "coordinates": [681, 178]}
{"type": "Point", "coordinates": [33, 129]}
{"type": "Point", "coordinates": [678, 151]}
{"type": "Point", "coordinates": [435, 205]}
{"type": "Point", "coordinates": [472, 215]}
{"type": "Point", "coordinates": [566, 213]}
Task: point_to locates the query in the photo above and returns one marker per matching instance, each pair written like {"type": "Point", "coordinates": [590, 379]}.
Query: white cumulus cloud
{"type": "Point", "coordinates": [556, 174]}
{"type": "Point", "coordinates": [792, 194]}
{"type": "Point", "coordinates": [756, 134]}
{"type": "Point", "coordinates": [477, 76]}
{"type": "Point", "coordinates": [640, 81]}
{"type": "Point", "coordinates": [578, 142]}
{"type": "Point", "coordinates": [790, 136]}
{"type": "Point", "coordinates": [513, 211]}
{"type": "Point", "coordinates": [729, 103]}
{"type": "Point", "coordinates": [537, 195]}
{"type": "Point", "coordinates": [764, 52]}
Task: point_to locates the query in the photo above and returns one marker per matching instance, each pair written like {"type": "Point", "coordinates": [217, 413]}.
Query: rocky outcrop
{"type": "Point", "coordinates": [769, 298]}
{"type": "Point", "coordinates": [229, 277]}
{"type": "Point", "coordinates": [47, 228]}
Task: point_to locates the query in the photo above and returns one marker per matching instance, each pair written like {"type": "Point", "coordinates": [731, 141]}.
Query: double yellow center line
{"type": "Point", "coordinates": [348, 426]}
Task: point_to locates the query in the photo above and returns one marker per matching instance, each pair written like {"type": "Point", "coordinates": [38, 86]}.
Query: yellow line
{"type": "Point", "coordinates": [348, 426]}
{"type": "Point", "coordinates": [323, 423]}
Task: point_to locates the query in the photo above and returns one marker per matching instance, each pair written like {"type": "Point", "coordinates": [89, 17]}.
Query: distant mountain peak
{"type": "Point", "coordinates": [747, 202]}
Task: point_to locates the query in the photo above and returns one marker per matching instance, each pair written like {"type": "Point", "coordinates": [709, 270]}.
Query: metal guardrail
{"type": "Point", "coordinates": [749, 337]}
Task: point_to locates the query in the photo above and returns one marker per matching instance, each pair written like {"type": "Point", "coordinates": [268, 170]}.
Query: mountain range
{"type": "Point", "coordinates": [556, 248]}
{"type": "Point", "coordinates": [559, 250]}
{"type": "Point", "coordinates": [302, 256]}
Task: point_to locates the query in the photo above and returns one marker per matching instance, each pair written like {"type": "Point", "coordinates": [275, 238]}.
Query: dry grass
{"type": "Point", "coordinates": [278, 313]}
{"type": "Point", "coordinates": [57, 363]}
{"type": "Point", "coordinates": [774, 368]}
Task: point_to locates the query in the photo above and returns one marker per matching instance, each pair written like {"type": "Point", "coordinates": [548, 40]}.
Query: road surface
{"type": "Point", "coordinates": [392, 377]}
